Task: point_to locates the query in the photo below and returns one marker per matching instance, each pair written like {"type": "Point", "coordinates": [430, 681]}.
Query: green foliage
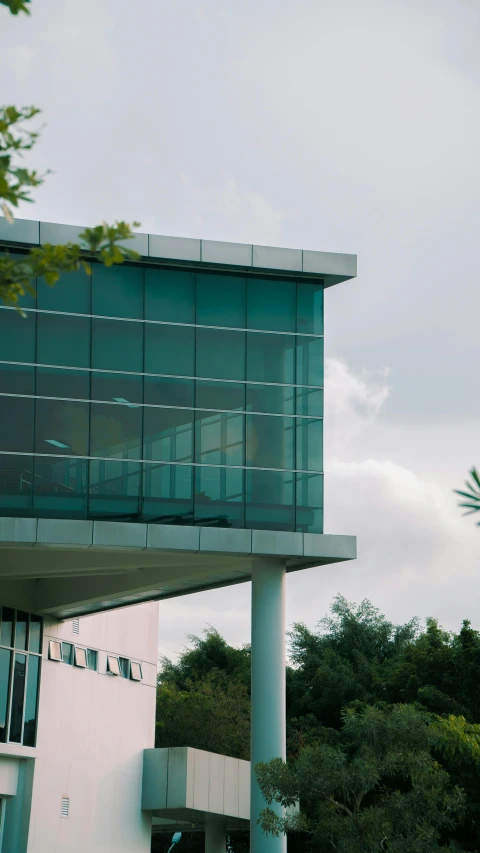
{"type": "Point", "coordinates": [471, 498]}
{"type": "Point", "coordinates": [210, 656]}
{"type": "Point", "coordinates": [16, 6]}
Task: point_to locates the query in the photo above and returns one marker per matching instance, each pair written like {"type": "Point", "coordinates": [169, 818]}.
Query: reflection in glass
{"type": "Point", "coordinates": [117, 345]}
{"type": "Point", "coordinates": [91, 659]}
{"type": "Point", "coordinates": [17, 379]}
{"type": "Point", "coordinates": [270, 441]}
{"type": "Point", "coordinates": [310, 308]}
{"type": "Point", "coordinates": [220, 300]}
{"type": "Point", "coordinates": [169, 295]}
{"type": "Point", "coordinates": [309, 361]}
{"type": "Point", "coordinates": [169, 349]}
{"type": "Point", "coordinates": [270, 358]}
{"type": "Point", "coordinates": [168, 495]}
{"type": "Point", "coordinates": [35, 635]}
{"type": "Point", "coordinates": [5, 664]}
{"type": "Point", "coordinates": [220, 354]}
{"type": "Point", "coordinates": [63, 340]}
{"type": "Point", "coordinates": [114, 489]}
{"type": "Point", "coordinates": [219, 497]}
{"type": "Point", "coordinates": [270, 398]}
{"type": "Point", "coordinates": [219, 438]}
{"type": "Point", "coordinates": [163, 391]}
{"type": "Point", "coordinates": [115, 430]}
{"type": "Point", "coordinates": [120, 387]}
{"type": "Point", "coordinates": [309, 444]}
{"type": "Point", "coordinates": [55, 382]}
{"type": "Point", "coordinates": [6, 629]}
{"type": "Point", "coordinates": [17, 335]}
{"type": "Point", "coordinates": [310, 503]}
{"type": "Point", "coordinates": [117, 291]}
{"type": "Point", "coordinates": [168, 434]}
{"type": "Point", "coordinates": [219, 395]}
{"type": "Point", "coordinates": [310, 401]}
{"type": "Point", "coordinates": [269, 500]}
{"type": "Point", "coordinates": [67, 653]}
{"type": "Point", "coordinates": [70, 293]}
{"type": "Point", "coordinates": [31, 701]}
{"type": "Point", "coordinates": [61, 427]}
{"type": "Point", "coordinates": [16, 427]}
{"type": "Point", "coordinates": [21, 623]}
{"type": "Point", "coordinates": [271, 304]}
{"type": "Point", "coordinates": [124, 667]}
{"type": "Point", "coordinates": [60, 487]}
{"type": "Point", "coordinates": [18, 693]}
{"type": "Point", "coordinates": [16, 478]}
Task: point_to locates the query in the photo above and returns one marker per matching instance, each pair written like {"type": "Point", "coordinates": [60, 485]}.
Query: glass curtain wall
{"type": "Point", "coordinates": [20, 661]}
{"type": "Point", "coordinates": [165, 395]}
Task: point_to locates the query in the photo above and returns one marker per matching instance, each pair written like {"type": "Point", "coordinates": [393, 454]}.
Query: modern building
{"type": "Point", "coordinates": [161, 433]}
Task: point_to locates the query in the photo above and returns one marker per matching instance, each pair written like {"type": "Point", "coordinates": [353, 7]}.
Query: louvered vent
{"type": "Point", "coordinates": [76, 626]}
{"type": "Point", "coordinates": [65, 806]}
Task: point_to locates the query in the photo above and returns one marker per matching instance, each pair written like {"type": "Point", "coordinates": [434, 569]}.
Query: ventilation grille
{"type": "Point", "coordinates": [76, 626]}
{"type": "Point", "coordinates": [65, 806]}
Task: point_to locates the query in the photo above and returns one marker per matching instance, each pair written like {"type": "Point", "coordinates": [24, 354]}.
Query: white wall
{"type": "Point", "coordinates": [92, 731]}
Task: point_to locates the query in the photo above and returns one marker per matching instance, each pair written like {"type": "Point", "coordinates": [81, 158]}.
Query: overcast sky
{"type": "Point", "coordinates": [333, 125]}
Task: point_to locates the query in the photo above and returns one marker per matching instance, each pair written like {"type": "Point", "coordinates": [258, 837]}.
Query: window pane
{"type": "Point", "coordinates": [5, 664]}
{"type": "Point", "coordinates": [219, 395]}
{"type": "Point", "coordinates": [119, 387]}
{"type": "Point", "coordinates": [310, 401]}
{"type": "Point", "coordinates": [117, 345]}
{"type": "Point", "coordinates": [124, 667]}
{"type": "Point", "coordinates": [116, 430]}
{"type": "Point", "coordinates": [16, 424]}
{"type": "Point", "coordinates": [270, 441]}
{"type": "Point", "coordinates": [162, 391]}
{"type": "Point", "coordinates": [219, 438]}
{"type": "Point", "coordinates": [168, 494]}
{"type": "Point", "coordinates": [70, 293]}
{"type": "Point", "coordinates": [67, 653]}
{"type": "Point", "coordinates": [61, 427]}
{"type": "Point", "coordinates": [270, 358]}
{"type": "Point", "coordinates": [18, 693]}
{"type": "Point", "coordinates": [17, 379]}
{"type": "Point", "coordinates": [54, 382]}
{"type": "Point", "coordinates": [80, 657]}
{"type": "Point", "coordinates": [169, 349]}
{"type": "Point", "coordinates": [60, 487]}
{"type": "Point", "coordinates": [309, 444]}
{"type": "Point", "coordinates": [21, 623]}
{"type": "Point", "coordinates": [219, 497]}
{"type": "Point", "coordinates": [63, 340]}
{"type": "Point", "coordinates": [113, 665]}
{"type": "Point", "coordinates": [169, 296]}
{"type": "Point", "coordinates": [220, 354]}
{"type": "Point", "coordinates": [269, 503]}
{"type": "Point", "coordinates": [168, 434]}
{"type": "Point", "coordinates": [270, 398]}
{"type": "Point", "coordinates": [310, 308]}
{"type": "Point", "coordinates": [28, 300]}
{"type": "Point", "coordinates": [6, 630]}
{"type": "Point", "coordinates": [16, 478]}
{"type": "Point", "coordinates": [220, 300]}
{"type": "Point", "coordinates": [114, 489]}
{"type": "Point", "coordinates": [310, 503]}
{"type": "Point", "coordinates": [17, 335]}
{"type": "Point", "coordinates": [31, 701]}
{"type": "Point", "coordinates": [117, 291]}
{"type": "Point", "coordinates": [91, 659]}
{"type": "Point", "coordinates": [271, 304]}
{"type": "Point", "coordinates": [35, 637]}
{"type": "Point", "coordinates": [310, 361]}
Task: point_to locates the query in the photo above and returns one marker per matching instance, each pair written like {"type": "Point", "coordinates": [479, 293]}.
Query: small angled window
{"type": "Point", "coordinates": [135, 671]}
{"type": "Point", "coordinates": [55, 650]}
{"type": "Point", "coordinates": [113, 665]}
{"type": "Point", "coordinates": [80, 657]}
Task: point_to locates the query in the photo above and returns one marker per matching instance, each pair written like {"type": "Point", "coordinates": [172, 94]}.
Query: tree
{"type": "Point", "coordinates": [209, 655]}
{"type": "Point", "coordinates": [471, 498]}
{"type": "Point", "coordinates": [104, 243]}
{"type": "Point", "coordinates": [373, 786]}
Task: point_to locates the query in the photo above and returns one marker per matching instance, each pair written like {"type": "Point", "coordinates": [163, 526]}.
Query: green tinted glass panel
{"type": "Point", "coordinates": [55, 382]}
{"type": "Point", "coordinates": [16, 424]}
{"type": "Point", "coordinates": [309, 361]}
{"type": "Point", "coordinates": [310, 503]}
{"type": "Point", "coordinates": [117, 387]}
{"type": "Point", "coordinates": [124, 667]}
{"type": "Point", "coordinates": [270, 398]}
{"type": "Point", "coordinates": [16, 479]}
{"type": "Point", "coordinates": [117, 291]}
{"type": "Point", "coordinates": [117, 345]}
{"type": "Point", "coordinates": [92, 659]}
{"type": "Point", "coordinates": [60, 487]}
{"type": "Point", "coordinates": [18, 695]}
{"type": "Point", "coordinates": [221, 300]}
{"type": "Point", "coordinates": [35, 634]}
{"type": "Point", "coordinates": [28, 300]}
{"type": "Point", "coordinates": [310, 308]}
{"type": "Point", "coordinates": [63, 340]}
{"type": "Point", "coordinates": [163, 391]}
{"type": "Point", "coordinates": [271, 304]}
{"type": "Point", "coordinates": [70, 293]}
{"type": "Point", "coordinates": [219, 438]}
{"type": "Point", "coordinates": [114, 488]}
{"type": "Point", "coordinates": [169, 296]}
{"type": "Point", "coordinates": [116, 430]}
{"type": "Point", "coordinates": [6, 627]}
{"type": "Point", "coordinates": [169, 349]}
{"type": "Point", "coordinates": [310, 401]}
{"type": "Point", "coordinates": [270, 358]}
{"type": "Point", "coordinates": [270, 441]}
{"type": "Point", "coordinates": [61, 427]}
{"type": "Point", "coordinates": [309, 444]}
{"type": "Point", "coordinates": [17, 379]}
{"type": "Point", "coordinates": [220, 354]}
{"type": "Point", "coordinates": [269, 500]}
{"type": "Point", "coordinates": [219, 497]}
{"type": "Point", "coordinates": [167, 494]}
{"type": "Point", "coordinates": [30, 723]}
{"type": "Point", "coordinates": [219, 395]}
{"type": "Point", "coordinates": [5, 666]}
{"type": "Point", "coordinates": [67, 653]}
{"type": "Point", "coordinates": [21, 624]}
{"type": "Point", "coordinates": [17, 335]}
{"type": "Point", "coordinates": [168, 434]}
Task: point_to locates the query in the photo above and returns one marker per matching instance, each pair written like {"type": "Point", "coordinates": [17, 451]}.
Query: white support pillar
{"type": "Point", "coordinates": [268, 687]}
{"type": "Point", "coordinates": [215, 837]}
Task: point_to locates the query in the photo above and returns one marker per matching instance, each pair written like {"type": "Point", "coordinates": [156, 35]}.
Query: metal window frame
{"type": "Point", "coordinates": [111, 671]}
{"type": "Point", "coordinates": [76, 661]}
{"type": "Point", "coordinates": [133, 677]}
{"type": "Point", "coordinates": [50, 655]}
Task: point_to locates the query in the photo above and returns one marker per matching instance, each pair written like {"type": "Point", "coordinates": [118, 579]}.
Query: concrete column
{"type": "Point", "coordinates": [268, 687]}
{"type": "Point", "coordinates": [215, 837]}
